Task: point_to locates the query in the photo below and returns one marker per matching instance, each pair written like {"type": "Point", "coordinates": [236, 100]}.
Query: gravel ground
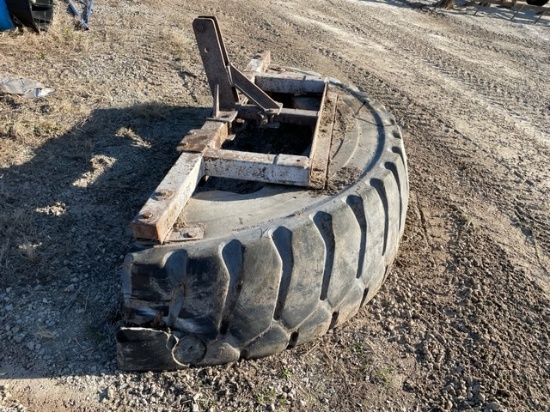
{"type": "Point", "coordinates": [462, 323]}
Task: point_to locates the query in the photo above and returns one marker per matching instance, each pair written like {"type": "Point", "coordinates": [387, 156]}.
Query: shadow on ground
{"type": "Point", "coordinates": [64, 231]}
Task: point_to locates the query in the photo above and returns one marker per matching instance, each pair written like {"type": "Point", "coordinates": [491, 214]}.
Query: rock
{"type": "Point", "coordinates": [492, 407]}
{"type": "Point", "coordinates": [110, 393]}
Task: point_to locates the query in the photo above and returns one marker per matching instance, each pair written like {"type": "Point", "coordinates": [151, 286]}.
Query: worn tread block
{"type": "Point", "coordinates": [149, 289]}
{"type": "Point", "coordinates": [262, 271]}
{"type": "Point", "coordinates": [356, 205]}
{"type": "Point", "coordinates": [399, 170]}
{"type": "Point", "coordinates": [274, 340]}
{"type": "Point", "coordinates": [350, 304]}
{"type": "Point", "coordinates": [317, 325]}
{"type": "Point", "coordinates": [393, 213]}
{"type": "Point", "coordinates": [306, 279]}
{"type": "Point", "coordinates": [141, 349]}
{"type": "Point", "coordinates": [347, 236]}
{"type": "Point", "coordinates": [220, 351]}
{"type": "Point", "coordinates": [201, 310]}
{"type": "Point", "coordinates": [374, 211]}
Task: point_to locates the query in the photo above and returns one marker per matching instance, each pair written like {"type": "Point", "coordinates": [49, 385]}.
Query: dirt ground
{"type": "Point", "coordinates": [462, 323]}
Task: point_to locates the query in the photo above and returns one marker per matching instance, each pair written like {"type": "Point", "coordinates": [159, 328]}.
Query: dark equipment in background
{"type": "Point", "coordinates": [37, 14]}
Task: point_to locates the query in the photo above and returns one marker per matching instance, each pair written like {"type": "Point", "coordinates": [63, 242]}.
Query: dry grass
{"type": "Point", "coordinates": [178, 42]}
{"type": "Point", "coordinates": [25, 124]}
{"type": "Point", "coordinates": [137, 141]}
{"type": "Point", "coordinates": [78, 65]}
{"type": "Point", "coordinates": [60, 38]}
{"type": "Point", "coordinates": [15, 221]}
{"type": "Point", "coordinates": [29, 251]}
{"type": "Point", "coordinates": [44, 334]}
{"type": "Point", "coordinates": [151, 111]}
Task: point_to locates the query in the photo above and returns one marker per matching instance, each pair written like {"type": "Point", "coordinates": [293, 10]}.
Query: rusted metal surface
{"type": "Point", "coordinates": [222, 76]}
{"type": "Point", "coordinates": [157, 217]}
{"type": "Point", "coordinates": [291, 116]}
{"type": "Point", "coordinates": [315, 140]}
{"type": "Point", "coordinates": [258, 64]}
{"type": "Point", "coordinates": [181, 234]}
{"type": "Point", "coordinates": [280, 168]}
{"type": "Point", "coordinates": [215, 60]}
{"type": "Point", "coordinates": [320, 150]}
{"type": "Point", "coordinates": [211, 134]}
{"type": "Point", "coordinates": [253, 92]}
{"type": "Point", "coordinates": [295, 84]}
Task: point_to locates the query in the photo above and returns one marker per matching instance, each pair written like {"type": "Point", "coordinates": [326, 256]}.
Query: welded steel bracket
{"type": "Point", "coordinates": [223, 77]}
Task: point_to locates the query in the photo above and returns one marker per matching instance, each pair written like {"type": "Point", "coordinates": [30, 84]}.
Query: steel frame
{"type": "Point", "coordinates": [247, 96]}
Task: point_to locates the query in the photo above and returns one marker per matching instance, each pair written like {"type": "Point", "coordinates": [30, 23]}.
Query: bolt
{"type": "Point", "coordinates": [164, 194]}
{"type": "Point", "coordinates": [192, 233]}
{"type": "Point", "coordinates": [145, 216]}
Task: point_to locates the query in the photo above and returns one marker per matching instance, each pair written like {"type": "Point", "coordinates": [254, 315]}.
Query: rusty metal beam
{"type": "Point", "coordinates": [211, 134]}
{"type": "Point", "coordinates": [297, 84]}
{"type": "Point", "coordinates": [322, 140]}
{"type": "Point", "coordinates": [201, 148]}
{"type": "Point", "coordinates": [258, 64]}
{"type": "Point", "coordinates": [291, 116]}
{"type": "Point", "coordinates": [222, 76]}
{"type": "Point", "coordinates": [215, 61]}
{"type": "Point", "coordinates": [280, 169]}
{"type": "Point", "coordinates": [157, 217]}
{"type": "Point", "coordinates": [253, 92]}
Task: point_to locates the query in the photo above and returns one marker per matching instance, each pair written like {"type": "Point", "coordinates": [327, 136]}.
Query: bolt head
{"type": "Point", "coordinates": [164, 194]}
{"type": "Point", "coordinates": [192, 233]}
{"type": "Point", "coordinates": [145, 216]}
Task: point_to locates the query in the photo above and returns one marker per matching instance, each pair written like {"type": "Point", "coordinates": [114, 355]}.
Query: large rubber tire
{"type": "Point", "coordinates": [278, 267]}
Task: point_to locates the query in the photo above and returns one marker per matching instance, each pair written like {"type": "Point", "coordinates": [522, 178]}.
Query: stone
{"type": "Point", "coordinates": [492, 407]}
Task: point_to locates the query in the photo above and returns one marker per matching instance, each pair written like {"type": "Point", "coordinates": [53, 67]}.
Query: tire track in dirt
{"type": "Point", "coordinates": [495, 90]}
{"type": "Point", "coordinates": [445, 152]}
{"type": "Point", "coordinates": [455, 151]}
{"type": "Point", "coordinates": [445, 63]}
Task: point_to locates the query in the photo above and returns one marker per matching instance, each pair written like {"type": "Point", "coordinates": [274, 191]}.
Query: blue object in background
{"type": "Point", "coordinates": [5, 19]}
